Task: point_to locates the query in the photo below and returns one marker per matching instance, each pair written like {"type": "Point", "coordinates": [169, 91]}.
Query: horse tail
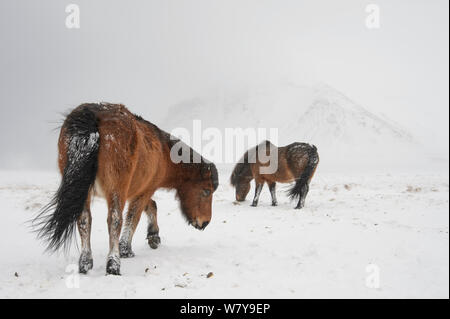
{"type": "Point", "coordinates": [56, 221]}
{"type": "Point", "coordinates": [313, 160]}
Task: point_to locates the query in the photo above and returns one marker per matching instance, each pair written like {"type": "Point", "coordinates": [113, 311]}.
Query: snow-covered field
{"type": "Point", "coordinates": [397, 223]}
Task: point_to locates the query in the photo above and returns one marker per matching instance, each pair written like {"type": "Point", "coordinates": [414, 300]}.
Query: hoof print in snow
{"type": "Point", "coordinates": [411, 189]}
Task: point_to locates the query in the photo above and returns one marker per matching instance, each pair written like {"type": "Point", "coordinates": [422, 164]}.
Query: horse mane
{"type": "Point", "coordinates": [242, 170]}
{"type": "Point", "coordinates": [204, 166]}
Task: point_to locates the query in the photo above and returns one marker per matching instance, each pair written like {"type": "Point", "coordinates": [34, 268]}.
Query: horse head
{"type": "Point", "coordinates": [196, 195]}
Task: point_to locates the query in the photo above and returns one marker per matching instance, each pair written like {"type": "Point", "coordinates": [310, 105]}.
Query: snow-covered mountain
{"type": "Point", "coordinates": [344, 132]}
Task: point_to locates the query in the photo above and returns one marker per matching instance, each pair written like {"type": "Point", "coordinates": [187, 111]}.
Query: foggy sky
{"type": "Point", "coordinates": [152, 54]}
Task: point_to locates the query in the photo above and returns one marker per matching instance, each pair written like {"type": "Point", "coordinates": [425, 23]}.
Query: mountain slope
{"type": "Point", "coordinates": [344, 132]}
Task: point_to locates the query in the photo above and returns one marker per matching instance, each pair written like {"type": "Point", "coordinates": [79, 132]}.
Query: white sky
{"type": "Point", "coordinates": [151, 54]}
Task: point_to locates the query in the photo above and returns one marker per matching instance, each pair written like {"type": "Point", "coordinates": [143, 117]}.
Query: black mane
{"type": "Point", "coordinates": [242, 171]}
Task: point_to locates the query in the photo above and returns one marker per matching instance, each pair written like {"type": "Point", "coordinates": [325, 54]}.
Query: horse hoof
{"type": "Point", "coordinates": [154, 241]}
{"type": "Point", "coordinates": [83, 268]}
{"type": "Point", "coordinates": [125, 250]}
{"type": "Point", "coordinates": [254, 205]}
{"type": "Point", "coordinates": [127, 254]}
{"type": "Point", "coordinates": [274, 204]}
{"type": "Point", "coordinates": [85, 263]}
{"type": "Point", "coordinates": [113, 266]}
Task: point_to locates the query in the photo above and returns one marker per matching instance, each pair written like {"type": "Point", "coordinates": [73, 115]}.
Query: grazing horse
{"type": "Point", "coordinates": [295, 162]}
{"type": "Point", "coordinates": [106, 150]}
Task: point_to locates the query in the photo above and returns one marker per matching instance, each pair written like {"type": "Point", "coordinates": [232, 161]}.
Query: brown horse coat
{"type": "Point", "coordinates": [294, 162]}
{"type": "Point", "coordinates": [105, 150]}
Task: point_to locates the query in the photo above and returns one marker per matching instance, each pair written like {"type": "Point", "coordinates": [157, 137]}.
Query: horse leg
{"type": "Point", "coordinates": [272, 187]}
{"type": "Point", "coordinates": [304, 191]}
{"type": "Point", "coordinates": [131, 222]}
{"type": "Point", "coordinates": [152, 228]}
{"type": "Point", "coordinates": [258, 190]}
{"type": "Point", "coordinates": [115, 208]}
{"type": "Point", "coordinates": [84, 222]}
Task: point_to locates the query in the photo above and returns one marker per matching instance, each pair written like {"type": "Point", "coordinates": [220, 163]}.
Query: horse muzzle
{"type": "Point", "coordinates": [200, 225]}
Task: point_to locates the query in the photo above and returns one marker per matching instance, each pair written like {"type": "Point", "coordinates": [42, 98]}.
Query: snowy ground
{"type": "Point", "coordinates": [397, 222]}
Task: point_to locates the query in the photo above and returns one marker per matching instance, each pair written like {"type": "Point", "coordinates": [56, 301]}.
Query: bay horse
{"type": "Point", "coordinates": [295, 162]}
{"type": "Point", "coordinates": [105, 150]}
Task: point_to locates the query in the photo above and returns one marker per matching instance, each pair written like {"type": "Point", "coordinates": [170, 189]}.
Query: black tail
{"type": "Point", "coordinates": [56, 221]}
{"type": "Point", "coordinates": [302, 182]}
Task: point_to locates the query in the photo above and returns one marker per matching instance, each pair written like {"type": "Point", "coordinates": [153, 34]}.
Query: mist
{"type": "Point", "coordinates": [150, 55]}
